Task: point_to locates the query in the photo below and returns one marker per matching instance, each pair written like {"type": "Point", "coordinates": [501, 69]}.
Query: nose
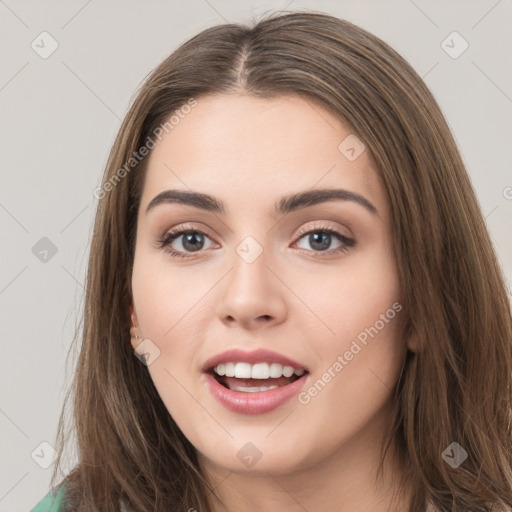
{"type": "Point", "coordinates": [251, 295]}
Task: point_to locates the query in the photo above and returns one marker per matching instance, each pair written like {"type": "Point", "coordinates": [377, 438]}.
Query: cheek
{"type": "Point", "coordinates": [362, 357]}
{"type": "Point", "coordinates": [168, 313]}
{"type": "Point", "coordinates": [366, 353]}
{"type": "Point", "coordinates": [164, 295]}
{"type": "Point", "coordinates": [359, 366]}
{"type": "Point", "coordinates": [350, 298]}
{"type": "Point", "coordinates": [166, 316]}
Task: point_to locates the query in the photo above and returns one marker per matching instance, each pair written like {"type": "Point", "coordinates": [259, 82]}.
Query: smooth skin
{"type": "Point", "coordinates": [296, 299]}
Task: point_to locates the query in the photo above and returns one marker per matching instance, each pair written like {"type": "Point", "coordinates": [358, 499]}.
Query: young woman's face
{"type": "Point", "coordinates": [275, 270]}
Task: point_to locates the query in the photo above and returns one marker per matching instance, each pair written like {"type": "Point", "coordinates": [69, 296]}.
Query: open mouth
{"type": "Point", "coordinates": [247, 378]}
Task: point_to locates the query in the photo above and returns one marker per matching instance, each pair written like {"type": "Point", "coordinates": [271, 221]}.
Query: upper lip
{"type": "Point", "coordinates": [260, 355]}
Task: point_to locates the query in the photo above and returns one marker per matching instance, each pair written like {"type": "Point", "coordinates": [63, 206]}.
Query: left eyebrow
{"type": "Point", "coordinates": [299, 200]}
{"type": "Point", "coordinates": [286, 204]}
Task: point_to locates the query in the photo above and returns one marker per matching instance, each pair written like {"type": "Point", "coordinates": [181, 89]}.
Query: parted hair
{"type": "Point", "coordinates": [456, 386]}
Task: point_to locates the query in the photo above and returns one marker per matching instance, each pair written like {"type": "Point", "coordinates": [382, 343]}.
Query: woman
{"type": "Point", "coordinates": [287, 231]}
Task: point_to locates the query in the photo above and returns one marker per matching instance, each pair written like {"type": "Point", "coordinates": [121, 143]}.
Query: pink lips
{"type": "Point", "coordinates": [247, 402]}
{"type": "Point", "coordinates": [253, 403]}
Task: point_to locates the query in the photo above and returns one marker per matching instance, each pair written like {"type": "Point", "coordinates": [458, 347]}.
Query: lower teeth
{"type": "Point", "coordinates": [253, 389]}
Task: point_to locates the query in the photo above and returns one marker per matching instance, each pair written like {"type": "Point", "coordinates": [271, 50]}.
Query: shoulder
{"type": "Point", "coordinates": [51, 502]}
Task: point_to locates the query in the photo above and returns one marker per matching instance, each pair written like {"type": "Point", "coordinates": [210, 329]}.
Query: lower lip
{"type": "Point", "coordinates": [253, 403]}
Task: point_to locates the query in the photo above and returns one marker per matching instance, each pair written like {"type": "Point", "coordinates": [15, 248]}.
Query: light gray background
{"type": "Point", "coordinates": [59, 117]}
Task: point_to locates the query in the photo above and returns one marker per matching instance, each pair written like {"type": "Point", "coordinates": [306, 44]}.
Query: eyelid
{"type": "Point", "coordinates": [321, 225]}
{"type": "Point", "coordinates": [188, 227]}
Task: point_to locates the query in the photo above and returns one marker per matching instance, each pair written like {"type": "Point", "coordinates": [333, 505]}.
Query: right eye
{"type": "Point", "coordinates": [191, 241]}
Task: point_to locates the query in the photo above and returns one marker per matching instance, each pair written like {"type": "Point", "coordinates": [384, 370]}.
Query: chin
{"type": "Point", "coordinates": [258, 458]}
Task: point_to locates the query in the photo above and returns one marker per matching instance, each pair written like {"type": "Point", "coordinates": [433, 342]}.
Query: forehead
{"type": "Point", "coordinates": [250, 151]}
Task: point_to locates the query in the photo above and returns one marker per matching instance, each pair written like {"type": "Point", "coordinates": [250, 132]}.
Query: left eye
{"type": "Point", "coordinates": [193, 240]}
{"type": "Point", "coordinates": [321, 239]}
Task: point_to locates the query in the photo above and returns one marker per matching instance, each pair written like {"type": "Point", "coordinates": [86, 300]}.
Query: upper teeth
{"type": "Point", "coordinates": [256, 371]}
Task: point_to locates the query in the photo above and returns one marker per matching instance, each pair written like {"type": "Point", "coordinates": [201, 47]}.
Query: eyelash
{"type": "Point", "coordinates": [165, 241]}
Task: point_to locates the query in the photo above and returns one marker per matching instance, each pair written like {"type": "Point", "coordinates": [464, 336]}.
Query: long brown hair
{"type": "Point", "coordinates": [455, 388]}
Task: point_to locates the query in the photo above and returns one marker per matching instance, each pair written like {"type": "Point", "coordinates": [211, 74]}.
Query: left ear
{"type": "Point", "coordinates": [134, 328]}
{"type": "Point", "coordinates": [413, 343]}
